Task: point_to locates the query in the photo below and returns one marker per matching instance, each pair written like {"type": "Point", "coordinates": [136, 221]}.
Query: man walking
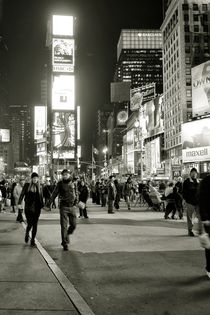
{"type": "Point", "coordinates": [190, 195]}
{"type": "Point", "coordinates": [66, 190]}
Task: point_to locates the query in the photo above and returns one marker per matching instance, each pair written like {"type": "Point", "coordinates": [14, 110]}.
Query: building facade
{"type": "Point", "coordinates": [186, 43]}
{"type": "Point", "coordinates": [139, 58]}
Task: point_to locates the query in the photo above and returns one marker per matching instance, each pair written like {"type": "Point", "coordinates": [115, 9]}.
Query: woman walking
{"type": "Point", "coordinates": [83, 197]}
{"type": "Point", "coordinates": [32, 194]}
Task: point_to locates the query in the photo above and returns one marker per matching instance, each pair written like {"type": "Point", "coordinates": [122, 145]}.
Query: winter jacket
{"type": "Point", "coordinates": [67, 192]}
{"type": "Point", "coordinates": [190, 191]}
{"type": "Point", "coordinates": [33, 200]}
{"type": "Point", "coordinates": [16, 194]}
{"type": "Point", "coordinates": [83, 193]}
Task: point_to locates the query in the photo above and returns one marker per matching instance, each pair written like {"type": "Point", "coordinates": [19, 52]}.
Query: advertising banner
{"type": "Point", "coordinates": [63, 130]}
{"type": "Point", "coordinates": [4, 135]}
{"type": "Point", "coordinates": [141, 95]}
{"type": "Point", "coordinates": [63, 55]}
{"type": "Point", "coordinates": [63, 92]}
{"type": "Point", "coordinates": [196, 141]}
{"type": "Point", "coordinates": [201, 89]}
{"type": "Point", "coordinates": [154, 116]}
{"type": "Point", "coordinates": [40, 121]}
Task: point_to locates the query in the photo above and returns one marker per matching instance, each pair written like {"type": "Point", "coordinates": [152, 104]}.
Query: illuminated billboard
{"type": "Point", "coordinates": [196, 141]}
{"type": "Point", "coordinates": [40, 121]}
{"type": "Point", "coordinates": [201, 89]}
{"type": "Point", "coordinates": [63, 130]}
{"type": "Point", "coordinates": [62, 25]}
{"type": "Point", "coordinates": [63, 93]}
{"type": "Point", "coordinates": [58, 154]}
{"type": "Point", "coordinates": [154, 116]}
{"type": "Point", "coordinates": [141, 95]}
{"type": "Point", "coordinates": [4, 135]}
{"type": "Point", "coordinates": [63, 55]}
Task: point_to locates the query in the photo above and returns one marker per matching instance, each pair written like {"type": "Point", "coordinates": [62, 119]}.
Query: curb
{"type": "Point", "coordinates": [77, 300]}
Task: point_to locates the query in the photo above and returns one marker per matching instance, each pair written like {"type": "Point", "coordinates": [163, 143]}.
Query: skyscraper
{"type": "Point", "coordinates": [139, 54]}
{"type": "Point", "coordinates": [186, 43]}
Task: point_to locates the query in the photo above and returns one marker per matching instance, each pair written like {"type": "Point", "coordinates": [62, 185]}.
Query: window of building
{"type": "Point", "coordinates": [186, 17]}
{"type": "Point", "coordinates": [196, 28]}
{"type": "Point", "coordinates": [206, 39]}
{"type": "Point", "coordinates": [188, 93]}
{"type": "Point", "coordinates": [185, 6]}
{"type": "Point", "coordinates": [196, 38]}
{"type": "Point", "coordinates": [186, 28]}
{"type": "Point", "coordinates": [195, 17]}
{"type": "Point", "coordinates": [204, 7]}
{"type": "Point", "coordinates": [205, 28]}
{"type": "Point", "coordinates": [187, 38]}
{"type": "Point", "coordinates": [195, 6]}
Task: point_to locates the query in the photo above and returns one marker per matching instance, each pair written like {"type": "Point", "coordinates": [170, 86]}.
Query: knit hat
{"type": "Point", "coordinates": [65, 171]}
{"type": "Point", "coordinates": [193, 170]}
{"type": "Point", "coordinates": [34, 174]}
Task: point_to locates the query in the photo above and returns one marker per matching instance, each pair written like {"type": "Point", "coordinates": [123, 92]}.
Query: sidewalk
{"type": "Point", "coordinates": [27, 283]}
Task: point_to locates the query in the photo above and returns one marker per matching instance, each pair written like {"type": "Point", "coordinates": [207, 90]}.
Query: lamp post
{"type": "Point", "coordinates": [140, 145]}
{"type": "Point", "coordinates": [105, 150]}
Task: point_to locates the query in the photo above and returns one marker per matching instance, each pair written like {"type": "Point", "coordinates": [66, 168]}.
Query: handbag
{"type": "Point", "coordinates": [204, 240]}
{"type": "Point", "coordinates": [81, 205]}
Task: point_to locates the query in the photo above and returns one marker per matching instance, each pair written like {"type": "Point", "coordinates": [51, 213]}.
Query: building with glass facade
{"type": "Point", "coordinates": [186, 43]}
{"type": "Point", "coordinates": [139, 58]}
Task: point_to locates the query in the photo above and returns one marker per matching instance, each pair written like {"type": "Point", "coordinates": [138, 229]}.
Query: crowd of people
{"type": "Point", "coordinates": [173, 198]}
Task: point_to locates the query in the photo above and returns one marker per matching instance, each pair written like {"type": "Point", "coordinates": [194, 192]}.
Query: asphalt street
{"type": "Point", "coordinates": [131, 262]}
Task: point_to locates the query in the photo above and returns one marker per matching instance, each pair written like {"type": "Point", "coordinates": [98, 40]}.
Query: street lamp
{"type": "Point", "coordinates": [105, 150]}
{"type": "Point", "coordinates": [140, 145]}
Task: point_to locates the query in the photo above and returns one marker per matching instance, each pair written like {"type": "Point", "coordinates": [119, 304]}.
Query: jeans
{"type": "Point", "coordinates": [67, 215]}
{"type": "Point", "coordinates": [32, 222]}
{"type": "Point", "coordinates": [192, 210]}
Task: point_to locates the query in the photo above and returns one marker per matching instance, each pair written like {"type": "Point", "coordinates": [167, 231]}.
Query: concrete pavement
{"type": "Point", "coordinates": [27, 284]}
{"type": "Point", "coordinates": [130, 262]}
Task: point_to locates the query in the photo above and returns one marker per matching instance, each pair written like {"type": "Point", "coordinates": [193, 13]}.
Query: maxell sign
{"type": "Point", "coordinates": [196, 141]}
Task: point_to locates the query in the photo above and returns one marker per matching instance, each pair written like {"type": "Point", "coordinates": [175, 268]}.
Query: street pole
{"type": "Point", "coordinates": [92, 165]}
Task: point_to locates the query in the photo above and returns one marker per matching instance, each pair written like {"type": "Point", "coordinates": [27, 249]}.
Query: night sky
{"type": "Point", "coordinates": [98, 28]}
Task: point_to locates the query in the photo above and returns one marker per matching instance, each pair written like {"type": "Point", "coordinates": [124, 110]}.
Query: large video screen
{"type": "Point", "coordinates": [4, 135]}
{"type": "Point", "coordinates": [62, 25]}
{"type": "Point", "coordinates": [63, 92]}
{"type": "Point", "coordinates": [63, 55]}
{"type": "Point", "coordinates": [201, 89]}
{"type": "Point", "coordinates": [196, 141]}
{"type": "Point", "coordinates": [63, 129]}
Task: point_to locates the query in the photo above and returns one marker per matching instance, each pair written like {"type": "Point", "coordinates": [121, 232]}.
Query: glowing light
{"type": "Point", "coordinates": [63, 25]}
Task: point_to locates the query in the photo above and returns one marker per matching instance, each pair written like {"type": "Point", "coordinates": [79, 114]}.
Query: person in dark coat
{"type": "Point", "coordinates": [111, 194]}
{"type": "Point", "coordinates": [118, 195]}
{"type": "Point", "coordinates": [83, 196]}
{"type": "Point", "coordinates": [33, 196]}
{"type": "Point", "coordinates": [190, 195]}
{"type": "Point", "coordinates": [67, 193]}
{"type": "Point", "coordinates": [204, 210]}
{"type": "Point", "coordinates": [47, 191]}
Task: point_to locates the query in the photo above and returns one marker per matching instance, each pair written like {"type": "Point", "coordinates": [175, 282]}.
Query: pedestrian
{"type": "Point", "coordinates": [47, 191]}
{"type": "Point", "coordinates": [16, 195]}
{"type": "Point", "coordinates": [83, 197]}
{"type": "Point", "coordinates": [33, 197]}
{"type": "Point", "coordinates": [118, 194]}
{"type": "Point", "coordinates": [103, 192]}
{"type": "Point", "coordinates": [204, 211]}
{"type": "Point", "coordinates": [111, 194]}
{"type": "Point", "coordinates": [190, 195]}
{"type": "Point", "coordinates": [67, 193]}
{"type": "Point", "coordinates": [169, 197]}
{"type": "Point", "coordinates": [127, 192]}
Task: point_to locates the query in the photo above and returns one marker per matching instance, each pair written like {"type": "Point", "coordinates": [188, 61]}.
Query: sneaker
{"type": "Point", "coordinates": [190, 233]}
{"type": "Point", "coordinates": [208, 274]}
{"type": "Point", "coordinates": [33, 244]}
{"type": "Point", "coordinates": [86, 217]}
{"type": "Point", "coordinates": [26, 238]}
{"type": "Point", "coordinates": [65, 247]}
